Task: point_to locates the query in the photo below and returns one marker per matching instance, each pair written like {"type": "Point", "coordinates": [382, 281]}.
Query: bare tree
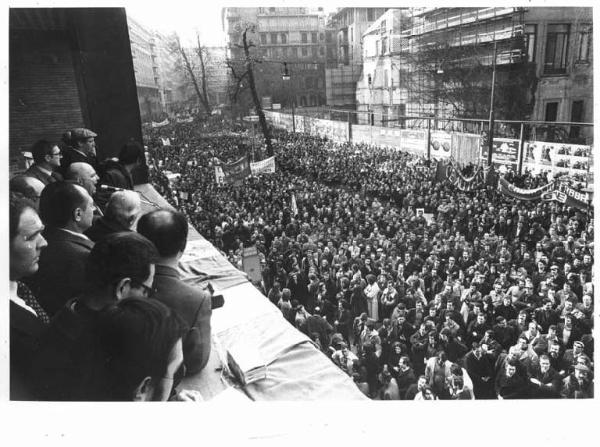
{"type": "Point", "coordinates": [248, 74]}
{"type": "Point", "coordinates": [201, 90]}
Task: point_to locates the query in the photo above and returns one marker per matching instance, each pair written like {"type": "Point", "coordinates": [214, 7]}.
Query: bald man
{"type": "Point", "coordinates": [84, 174]}
{"type": "Point", "coordinates": [121, 214]}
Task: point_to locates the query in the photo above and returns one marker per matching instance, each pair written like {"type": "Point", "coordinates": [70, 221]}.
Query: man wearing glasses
{"type": "Point", "coordinates": [119, 266]}
{"type": "Point", "coordinates": [46, 157]}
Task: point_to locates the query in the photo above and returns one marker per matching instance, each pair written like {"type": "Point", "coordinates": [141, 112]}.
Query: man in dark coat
{"type": "Point", "coordinates": [121, 214]}
{"type": "Point", "coordinates": [26, 325]}
{"type": "Point", "coordinates": [80, 146]}
{"type": "Point", "coordinates": [480, 367]}
{"type": "Point", "coordinates": [168, 231]}
{"type": "Point", "coordinates": [67, 210]}
{"type": "Point", "coordinates": [47, 161]}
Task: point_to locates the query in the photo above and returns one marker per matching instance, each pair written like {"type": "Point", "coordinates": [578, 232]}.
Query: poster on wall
{"type": "Point", "coordinates": [556, 158]}
{"type": "Point", "coordinates": [505, 154]}
{"type": "Point", "coordinates": [441, 145]}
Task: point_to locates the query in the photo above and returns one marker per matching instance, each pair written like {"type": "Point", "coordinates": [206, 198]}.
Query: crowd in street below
{"type": "Point", "coordinates": [414, 288]}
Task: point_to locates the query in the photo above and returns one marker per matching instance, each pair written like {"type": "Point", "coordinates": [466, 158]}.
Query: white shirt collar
{"type": "Point", "coordinates": [20, 302]}
{"type": "Point", "coordinates": [81, 235]}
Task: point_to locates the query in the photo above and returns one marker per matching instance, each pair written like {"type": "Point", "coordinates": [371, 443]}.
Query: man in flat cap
{"type": "Point", "coordinates": [81, 146]}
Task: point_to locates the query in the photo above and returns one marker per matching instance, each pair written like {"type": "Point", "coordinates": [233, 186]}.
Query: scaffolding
{"type": "Point", "coordinates": [445, 62]}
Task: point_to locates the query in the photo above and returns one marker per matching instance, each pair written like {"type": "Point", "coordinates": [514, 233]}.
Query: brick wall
{"type": "Point", "coordinates": [44, 98]}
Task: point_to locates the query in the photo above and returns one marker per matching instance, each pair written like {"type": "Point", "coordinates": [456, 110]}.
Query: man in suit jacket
{"type": "Point", "coordinates": [46, 157]}
{"type": "Point", "coordinates": [168, 231]}
{"type": "Point", "coordinates": [67, 210]}
{"type": "Point", "coordinates": [122, 212]}
{"type": "Point", "coordinates": [26, 325]}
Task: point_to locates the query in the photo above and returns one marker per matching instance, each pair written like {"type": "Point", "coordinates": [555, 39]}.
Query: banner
{"type": "Point", "coordinates": [161, 124]}
{"type": "Point", "coordinates": [237, 171]}
{"type": "Point", "coordinates": [266, 166]}
{"type": "Point", "coordinates": [441, 145]}
{"type": "Point", "coordinates": [463, 183]}
{"type": "Point", "coordinates": [523, 194]}
{"type": "Point", "coordinates": [166, 141]}
{"type": "Point", "coordinates": [294, 205]}
{"type": "Point", "coordinates": [185, 120]}
{"type": "Point", "coordinates": [574, 198]}
{"type": "Point", "coordinates": [219, 176]}
{"type": "Point", "coordinates": [505, 153]}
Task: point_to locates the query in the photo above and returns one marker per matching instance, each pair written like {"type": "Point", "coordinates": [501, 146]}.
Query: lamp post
{"type": "Point", "coordinates": [491, 123]}
{"type": "Point", "coordinates": [370, 84]}
{"type": "Point", "coordinates": [285, 76]}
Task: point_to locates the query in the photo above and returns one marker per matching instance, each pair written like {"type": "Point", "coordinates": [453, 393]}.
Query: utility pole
{"type": "Point", "coordinates": [259, 111]}
{"type": "Point", "coordinates": [491, 124]}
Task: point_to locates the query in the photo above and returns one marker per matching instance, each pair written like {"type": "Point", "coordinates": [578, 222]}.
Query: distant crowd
{"type": "Point", "coordinates": [414, 288]}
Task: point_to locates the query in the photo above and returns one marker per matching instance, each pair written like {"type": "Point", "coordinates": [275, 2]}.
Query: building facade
{"type": "Point", "coordinates": [70, 67]}
{"type": "Point", "coordinates": [349, 25]}
{"type": "Point", "coordinates": [440, 62]}
{"type": "Point", "coordinates": [297, 37]}
{"type": "Point", "coordinates": [155, 74]}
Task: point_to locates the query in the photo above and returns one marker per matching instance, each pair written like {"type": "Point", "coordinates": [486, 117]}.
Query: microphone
{"type": "Point", "coordinates": [111, 188]}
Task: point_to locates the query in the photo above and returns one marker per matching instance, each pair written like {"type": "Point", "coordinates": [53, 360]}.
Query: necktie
{"type": "Point", "coordinates": [27, 295]}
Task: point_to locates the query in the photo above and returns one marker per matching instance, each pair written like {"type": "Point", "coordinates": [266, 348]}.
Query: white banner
{"type": "Point", "coordinates": [266, 166]}
{"type": "Point", "coordinates": [161, 124]}
{"type": "Point", "coordinates": [219, 175]}
{"type": "Point", "coordinates": [185, 120]}
{"type": "Point", "coordinates": [441, 145]}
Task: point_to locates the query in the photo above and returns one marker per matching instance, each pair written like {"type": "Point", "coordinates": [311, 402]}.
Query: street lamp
{"type": "Point", "coordinates": [285, 76]}
{"type": "Point", "coordinates": [491, 124]}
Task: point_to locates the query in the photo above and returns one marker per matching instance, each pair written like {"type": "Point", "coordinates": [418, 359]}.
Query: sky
{"type": "Point", "coordinates": [187, 18]}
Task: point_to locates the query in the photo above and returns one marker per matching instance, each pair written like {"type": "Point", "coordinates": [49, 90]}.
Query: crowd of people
{"type": "Point", "coordinates": [416, 289]}
{"type": "Point", "coordinates": [411, 286]}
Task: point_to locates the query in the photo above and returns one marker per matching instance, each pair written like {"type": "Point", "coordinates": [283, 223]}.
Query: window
{"type": "Point", "coordinates": [271, 9]}
{"type": "Point", "coordinates": [304, 51]}
{"type": "Point", "coordinates": [284, 51]}
{"type": "Point", "coordinates": [322, 51]}
{"type": "Point", "coordinates": [304, 38]}
{"type": "Point", "coordinates": [551, 111]}
{"type": "Point", "coordinates": [370, 15]}
{"type": "Point", "coordinates": [263, 39]}
{"type": "Point", "coordinates": [308, 83]}
{"type": "Point", "coordinates": [585, 42]}
{"type": "Point", "coordinates": [328, 37]}
{"type": "Point", "coordinates": [321, 37]}
{"type": "Point", "coordinates": [283, 38]}
{"type": "Point", "coordinates": [295, 51]}
{"type": "Point", "coordinates": [576, 117]}
{"type": "Point", "coordinates": [530, 41]}
{"type": "Point", "coordinates": [557, 41]}
{"type": "Point", "coordinates": [313, 37]}
{"type": "Point", "coordinates": [384, 41]}
{"type": "Point", "coordinates": [385, 78]}
{"type": "Point", "coordinates": [303, 101]}
{"type": "Point", "coordinates": [273, 38]}
{"type": "Point", "coordinates": [313, 51]}
{"type": "Point", "coordinates": [377, 47]}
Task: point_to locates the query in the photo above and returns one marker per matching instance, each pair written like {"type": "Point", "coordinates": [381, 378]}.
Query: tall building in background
{"type": "Point", "coordinates": [349, 25]}
{"type": "Point", "coordinates": [297, 36]}
{"type": "Point", "coordinates": [154, 64]}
